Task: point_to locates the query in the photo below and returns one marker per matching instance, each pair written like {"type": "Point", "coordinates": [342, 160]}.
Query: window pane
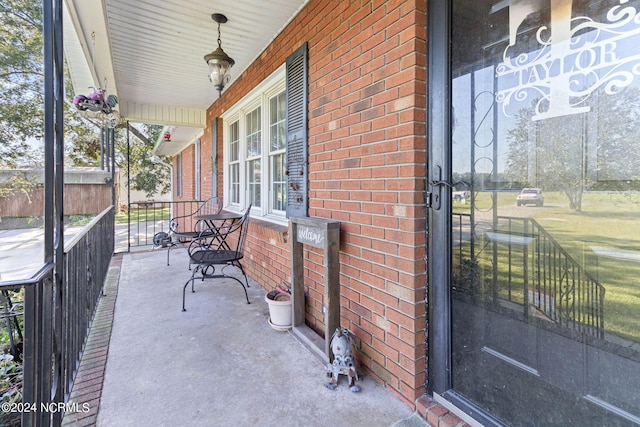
{"type": "Point", "coordinates": [234, 178]}
{"type": "Point", "coordinates": [233, 142]}
{"type": "Point", "coordinates": [277, 122]}
{"type": "Point", "coordinates": [253, 182]}
{"type": "Point", "coordinates": [254, 134]}
{"type": "Point", "coordinates": [278, 182]}
{"type": "Point", "coordinates": [273, 110]}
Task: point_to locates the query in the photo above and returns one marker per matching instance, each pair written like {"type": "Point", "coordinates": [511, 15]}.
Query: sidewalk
{"type": "Point", "coordinates": [22, 250]}
{"type": "Point", "coordinates": [218, 364]}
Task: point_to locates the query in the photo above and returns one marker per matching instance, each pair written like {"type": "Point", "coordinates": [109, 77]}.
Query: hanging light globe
{"type": "Point", "coordinates": [219, 62]}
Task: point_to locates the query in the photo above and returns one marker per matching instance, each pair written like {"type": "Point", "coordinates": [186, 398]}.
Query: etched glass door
{"type": "Point", "coordinates": [545, 214]}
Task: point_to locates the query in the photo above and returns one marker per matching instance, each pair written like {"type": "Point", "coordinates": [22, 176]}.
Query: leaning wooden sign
{"type": "Point", "coordinates": [312, 236]}
{"type": "Point", "coordinates": [324, 234]}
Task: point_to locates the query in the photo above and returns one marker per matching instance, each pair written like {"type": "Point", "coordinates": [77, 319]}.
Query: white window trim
{"type": "Point", "coordinates": [258, 97]}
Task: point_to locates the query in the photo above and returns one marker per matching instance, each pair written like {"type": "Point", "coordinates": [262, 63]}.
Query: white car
{"type": "Point", "coordinates": [530, 196]}
{"type": "Point", "coordinates": [461, 196]}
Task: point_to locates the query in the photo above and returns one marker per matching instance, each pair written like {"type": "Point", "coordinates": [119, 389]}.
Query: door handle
{"type": "Point", "coordinates": [436, 188]}
{"type": "Point", "coordinates": [434, 199]}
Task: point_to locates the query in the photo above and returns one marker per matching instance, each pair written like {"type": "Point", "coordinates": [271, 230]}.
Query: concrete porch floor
{"type": "Point", "coordinates": [217, 364]}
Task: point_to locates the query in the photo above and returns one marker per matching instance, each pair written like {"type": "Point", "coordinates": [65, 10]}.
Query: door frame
{"type": "Point", "coordinates": [438, 196]}
{"type": "Point", "coordinates": [439, 208]}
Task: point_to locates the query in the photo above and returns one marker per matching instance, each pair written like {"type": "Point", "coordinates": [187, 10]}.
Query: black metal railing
{"type": "Point", "coordinates": [517, 261]}
{"type": "Point", "coordinates": [58, 312]}
{"type": "Point", "coordinates": [87, 259]}
{"type": "Point", "coordinates": [146, 219]}
{"type": "Point", "coordinates": [35, 313]}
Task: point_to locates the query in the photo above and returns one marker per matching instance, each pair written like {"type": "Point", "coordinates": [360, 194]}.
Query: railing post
{"type": "Point", "coordinates": [47, 364]}
{"type": "Point", "coordinates": [30, 359]}
{"type": "Point", "coordinates": [37, 348]}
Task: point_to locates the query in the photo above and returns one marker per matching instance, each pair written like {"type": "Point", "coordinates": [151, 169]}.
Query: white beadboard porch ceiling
{"type": "Point", "coordinates": [150, 53]}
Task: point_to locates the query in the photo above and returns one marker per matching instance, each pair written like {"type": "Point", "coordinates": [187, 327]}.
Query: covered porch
{"type": "Point", "coordinates": [219, 363]}
{"type": "Point", "coordinates": [221, 359]}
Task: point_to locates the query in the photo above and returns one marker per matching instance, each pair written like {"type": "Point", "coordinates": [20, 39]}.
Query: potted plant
{"type": "Point", "coordinates": [279, 302]}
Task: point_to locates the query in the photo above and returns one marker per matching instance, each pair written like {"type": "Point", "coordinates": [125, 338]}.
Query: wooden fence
{"type": "Point", "coordinates": [78, 199]}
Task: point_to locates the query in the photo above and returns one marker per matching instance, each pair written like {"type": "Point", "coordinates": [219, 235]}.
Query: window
{"type": "Point", "coordinates": [198, 170]}
{"type": "Point", "coordinates": [179, 175]}
{"type": "Point", "coordinates": [234, 163]}
{"type": "Point", "coordinates": [255, 150]}
{"type": "Point", "coordinates": [277, 153]}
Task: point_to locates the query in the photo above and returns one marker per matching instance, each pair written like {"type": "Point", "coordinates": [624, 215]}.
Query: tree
{"type": "Point", "coordinates": [22, 108]}
{"type": "Point", "coordinates": [149, 173]}
{"type": "Point", "coordinates": [21, 79]}
{"type": "Point", "coordinates": [618, 127]}
{"type": "Point", "coordinates": [577, 152]}
{"type": "Point", "coordinates": [22, 90]}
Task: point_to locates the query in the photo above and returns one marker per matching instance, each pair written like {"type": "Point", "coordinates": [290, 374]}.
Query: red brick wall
{"type": "Point", "coordinates": [188, 174]}
{"type": "Point", "coordinates": [367, 114]}
{"type": "Point", "coordinates": [189, 169]}
{"type": "Point", "coordinates": [268, 254]}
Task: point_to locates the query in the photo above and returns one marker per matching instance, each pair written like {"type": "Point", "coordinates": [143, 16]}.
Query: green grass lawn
{"type": "Point", "coordinates": [609, 220]}
{"type": "Point", "coordinates": [137, 215]}
{"type": "Point", "coordinates": [144, 214]}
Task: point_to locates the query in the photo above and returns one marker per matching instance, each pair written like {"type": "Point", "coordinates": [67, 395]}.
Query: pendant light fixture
{"type": "Point", "coordinates": [219, 62]}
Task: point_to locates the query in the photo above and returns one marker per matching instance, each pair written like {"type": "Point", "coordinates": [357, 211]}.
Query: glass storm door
{"type": "Point", "coordinates": [535, 210]}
